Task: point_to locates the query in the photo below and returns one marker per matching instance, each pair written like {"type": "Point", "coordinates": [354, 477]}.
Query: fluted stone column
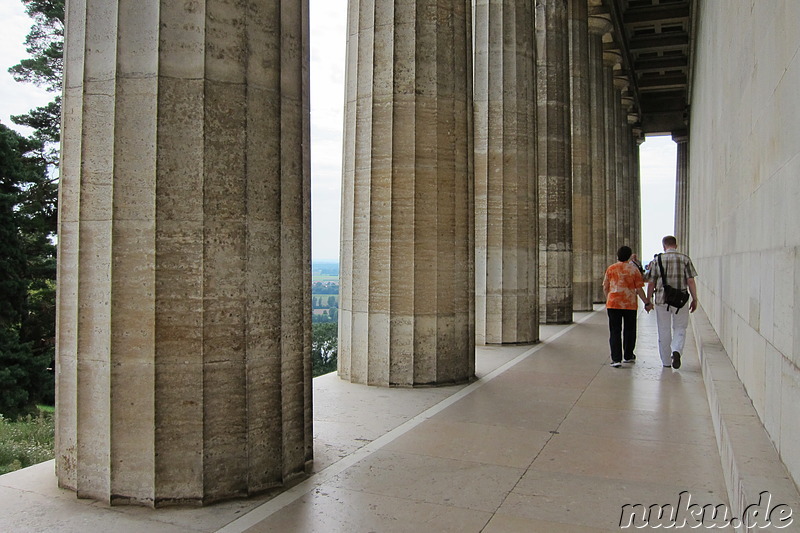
{"type": "Point", "coordinates": [599, 24]}
{"type": "Point", "coordinates": [626, 174]}
{"type": "Point", "coordinates": [611, 58]}
{"type": "Point", "coordinates": [582, 215]}
{"type": "Point", "coordinates": [506, 218]}
{"type": "Point", "coordinates": [621, 149]}
{"type": "Point", "coordinates": [555, 161]}
{"type": "Point", "coordinates": [638, 139]}
{"type": "Point", "coordinates": [629, 178]}
{"type": "Point", "coordinates": [682, 190]}
{"type": "Point", "coordinates": [632, 199]}
{"type": "Point", "coordinates": [407, 250]}
{"type": "Point", "coordinates": [183, 342]}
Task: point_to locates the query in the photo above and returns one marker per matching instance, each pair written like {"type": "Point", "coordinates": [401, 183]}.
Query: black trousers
{"type": "Point", "coordinates": [622, 339]}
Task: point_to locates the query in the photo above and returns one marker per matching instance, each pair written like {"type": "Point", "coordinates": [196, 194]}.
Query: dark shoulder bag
{"type": "Point", "coordinates": [673, 297]}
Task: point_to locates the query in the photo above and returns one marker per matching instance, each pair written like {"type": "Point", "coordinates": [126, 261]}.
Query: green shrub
{"type": "Point", "coordinates": [324, 348]}
{"type": "Point", "coordinates": [26, 442]}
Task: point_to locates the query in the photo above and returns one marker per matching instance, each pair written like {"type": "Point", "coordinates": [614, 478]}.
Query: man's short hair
{"type": "Point", "coordinates": [624, 253]}
{"type": "Point", "coordinates": [669, 242]}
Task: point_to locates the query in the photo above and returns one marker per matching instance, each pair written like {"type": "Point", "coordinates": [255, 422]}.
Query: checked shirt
{"type": "Point", "coordinates": [678, 269]}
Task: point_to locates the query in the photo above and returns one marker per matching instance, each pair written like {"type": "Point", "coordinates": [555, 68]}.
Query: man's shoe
{"type": "Point", "coordinates": [616, 364]}
{"type": "Point", "coordinates": [667, 366]}
{"type": "Point", "coordinates": [676, 359]}
{"type": "Point", "coordinates": [631, 360]}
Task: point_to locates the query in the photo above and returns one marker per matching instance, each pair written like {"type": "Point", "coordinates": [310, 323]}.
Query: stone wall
{"type": "Point", "coordinates": [745, 193]}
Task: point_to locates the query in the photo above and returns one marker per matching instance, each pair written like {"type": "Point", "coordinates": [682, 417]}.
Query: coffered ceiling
{"type": "Point", "coordinates": [656, 46]}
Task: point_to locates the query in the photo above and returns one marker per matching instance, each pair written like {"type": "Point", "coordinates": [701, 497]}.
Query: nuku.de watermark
{"type": "Point", "coordinates": [691, 515]}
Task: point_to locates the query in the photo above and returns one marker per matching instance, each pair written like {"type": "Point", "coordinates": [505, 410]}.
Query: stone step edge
{"type": "Point", "coordinates": [750, 462]}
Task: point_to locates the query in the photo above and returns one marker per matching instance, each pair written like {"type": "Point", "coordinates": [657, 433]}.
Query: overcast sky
{"type": "Point", "coordinates": [658, 158]}
{"type": "Point", "coordinates": [328, 19]}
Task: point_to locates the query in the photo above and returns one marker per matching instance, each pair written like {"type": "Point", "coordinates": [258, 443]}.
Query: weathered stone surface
{"type": "Point", "coordinates": [554, 162]}
{"type": "Point", "coordinates": [582, 196]}
{"type": "Point", "coordinates": [184, 265]}
{"type": "Point", "coordinates": [611, 95]}
{"type": "Point", "coordinates": [406, 314]}
{"type": "Point", "coordinates": [682, 189]}
{"type": "Point", "coordinates": [506, 219]}
{"type": "Point", "coordinates": [598, 25]}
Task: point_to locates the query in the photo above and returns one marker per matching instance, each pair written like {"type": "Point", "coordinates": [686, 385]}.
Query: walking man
{"type": "Point", "coordinates": [672, 322]}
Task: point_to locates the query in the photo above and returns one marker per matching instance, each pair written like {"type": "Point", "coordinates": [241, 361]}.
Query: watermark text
{"type": "Point", "coordinates": [691, 515]}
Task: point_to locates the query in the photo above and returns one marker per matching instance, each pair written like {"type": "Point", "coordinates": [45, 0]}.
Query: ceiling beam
{"type": "Point", "coordinates": [663, 81]}
{"type": "Point", "coordinates": [651, 64]}
{"type": "Point", "coordinates": [659, 41]}
{"type": "Point", "coordinates": [657, 14]}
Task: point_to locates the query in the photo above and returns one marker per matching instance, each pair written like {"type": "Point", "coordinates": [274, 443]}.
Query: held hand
{"type": "Point", "coordinates": [648, 307]}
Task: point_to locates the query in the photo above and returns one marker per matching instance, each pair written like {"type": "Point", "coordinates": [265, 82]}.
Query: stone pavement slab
{"type": "Point", "coordinates": [549, 438]}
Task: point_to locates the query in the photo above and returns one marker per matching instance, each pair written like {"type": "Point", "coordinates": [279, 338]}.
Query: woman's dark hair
{"type": "Point", "coordinates": [624, 253]}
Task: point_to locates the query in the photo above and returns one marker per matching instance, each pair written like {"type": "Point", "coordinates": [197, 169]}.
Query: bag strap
{"type": "Point", "coordinates": [664, 283]}
{"type": "Point", "coordinates": [661, 268]}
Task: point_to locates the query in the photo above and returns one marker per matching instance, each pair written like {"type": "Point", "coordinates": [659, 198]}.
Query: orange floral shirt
{"type": "Point", "coordinates": [620, 284]}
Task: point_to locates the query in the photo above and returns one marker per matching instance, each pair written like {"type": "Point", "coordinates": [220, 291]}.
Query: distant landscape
{"type": "Point", "coordinates": [325, 269]}
{"type": "Point", "coordinates": [325, 291]}
{"type": "Point", "coordinates": [325, 316]}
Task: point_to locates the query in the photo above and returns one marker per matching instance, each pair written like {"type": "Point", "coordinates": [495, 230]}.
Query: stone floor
{"type": "Point", "coordinates": [550, 438]}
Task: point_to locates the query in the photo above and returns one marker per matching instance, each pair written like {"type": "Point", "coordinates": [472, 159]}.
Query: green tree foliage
{"type": "Point", "coordinates": [45, 44]}
{"type": "Point", "coordinates": [44, 68]}
{"type": "Point", "coordinates": [324, 348]}
{"type": "Point", "coordinates": [28, 221]}
{"type": "Point", "coordinates": [27, 275]}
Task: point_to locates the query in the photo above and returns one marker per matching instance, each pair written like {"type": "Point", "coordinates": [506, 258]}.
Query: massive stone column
{"type": "Point", "coordinates": [621, 158]}
{"type": "Point", "coordinates": [554, 159]}
{"type": "Point", "coordinates": [610, 59]}
{"type": "Point", "coordinates": [183, 343]}
{"type": "Point", "coordinates": [638, 139]}
{"type": "Point", "coordinates": [632, 198]}
{"type": "Point", "coordinates": [407, 250]}
{"type": "Point", "coordinates": [582, 215]}
{"type": "Point", "coordinates": [682, 190]}
{"type": "Point", "coordinates": [506, 218]}
{"type": "Point", "coordinates": [599, 24]}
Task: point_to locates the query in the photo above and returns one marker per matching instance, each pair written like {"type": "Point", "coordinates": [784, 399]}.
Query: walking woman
{"type": "Point", "coordinates": [622, 283]}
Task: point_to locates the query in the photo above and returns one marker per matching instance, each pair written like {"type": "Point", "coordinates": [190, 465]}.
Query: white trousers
{"type": "Point", "coordinates": [671, 331]}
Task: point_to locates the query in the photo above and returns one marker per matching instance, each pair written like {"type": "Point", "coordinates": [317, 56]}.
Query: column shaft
{"type": "Point", "coordinates": [621, 175]}
{"type": "Point", "coordinates": [637, 195]}
{"type": "Point", "coordinates": [183, 348]}
{"type": "Point", "coordinates": [555, 161]}
{"type": "Point", "coordinates": [506, 242]}
{"type": "Point", "coordinates": [629, 179]}
{"type": "Point", "coordinates": [682, 190]}
{"type": "Point", "coordinates": [407, 262]}
{"type": "Point", "coordinates": [582, 197]}
{"type": "Point", "coordinates": [611, 166]}
{"type": "Point", "coordinates": [598, 25]}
